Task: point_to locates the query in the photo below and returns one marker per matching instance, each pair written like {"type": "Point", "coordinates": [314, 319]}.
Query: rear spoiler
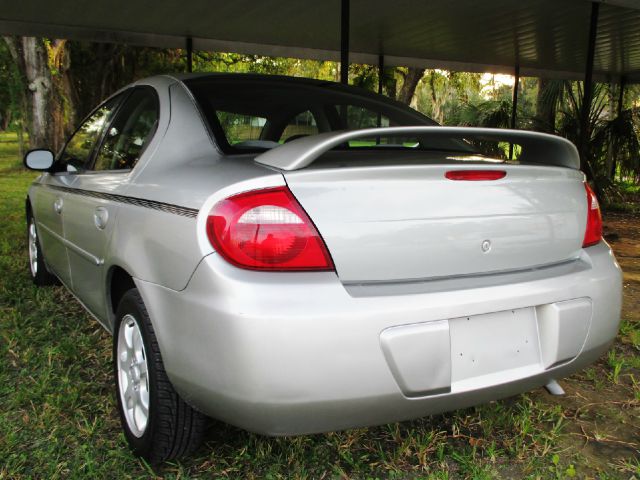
{"type": "Point", "coordinates": [537, 148]}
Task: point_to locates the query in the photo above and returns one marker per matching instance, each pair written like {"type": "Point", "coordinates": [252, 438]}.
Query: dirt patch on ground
{"type": "Point", "coordinates": [600, 419]}
{"type": "Point", "coordinates": [602, 405]}
{"type": "Point", "coordinates": [622, 231]}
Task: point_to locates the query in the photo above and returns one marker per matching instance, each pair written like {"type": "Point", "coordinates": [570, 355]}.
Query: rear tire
{"type": "Point", "coordinates": [157, 423]}
{"type": "Point", "coordinates": [40, 275]}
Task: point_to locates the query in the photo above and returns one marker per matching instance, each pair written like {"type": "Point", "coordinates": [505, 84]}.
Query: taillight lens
{"type": "Point", "coordinates": [475, 175]}
{"type": "Point", "coordinates": [266, 230]}
{"type": "Point", "coordinates": [593, 232]}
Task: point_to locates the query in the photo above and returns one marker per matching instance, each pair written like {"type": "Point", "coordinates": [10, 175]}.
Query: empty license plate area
{"type": "Point", "coordinates": [493, 348]}
{"type": "Point", "coordinates": [479, 351]}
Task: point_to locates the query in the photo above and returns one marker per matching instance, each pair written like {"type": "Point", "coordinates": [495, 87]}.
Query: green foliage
{"type": "Point", "coordinates": [96, 70]}
{"type": "Point", "coordinates": [443, 95]}
{"type": "Point", "coordinates": [613, 132]}
{"type": "Point", "coordinates": [554, 106]}
{"type": "Point", "coordinates": [11, 100]}
{"type": "Point", "coordinates": [452, 98]}
{"type": "Point", "coordinates": [364, 76]}
{"type": "Point", "coordinates": [244, 63]}
{"type": "Point", "coordinates": [99, 69]}
{"type": "Point", "coordinates": [616, 144]}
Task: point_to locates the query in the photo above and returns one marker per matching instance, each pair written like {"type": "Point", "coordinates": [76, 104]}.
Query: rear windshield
{"type": "Point", "coordinates": [256, 115]}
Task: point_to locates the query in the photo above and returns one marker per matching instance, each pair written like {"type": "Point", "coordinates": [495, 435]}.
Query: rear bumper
{"type": "Point", "coordinates": [299, 353]}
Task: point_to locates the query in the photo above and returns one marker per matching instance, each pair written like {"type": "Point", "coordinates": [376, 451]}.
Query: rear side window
{"type": "Point", "coordinates": [130, 132]}
{"type": "Point", "coordinates": [301, 125]}
{"type": "Point", "coordinates": [78, 151]}
{"type": "Point", "coordinates": [240, 128]}
{"type": "Point", "coordinates": [355, 117]}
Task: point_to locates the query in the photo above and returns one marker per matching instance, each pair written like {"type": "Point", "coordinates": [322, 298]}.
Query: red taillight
{"type": "Point", "coordinates": [593, 232]}
{"type": "Point", "coordinates": [477, 175]}
{"type": "Point", "coordinates": [266, 230]}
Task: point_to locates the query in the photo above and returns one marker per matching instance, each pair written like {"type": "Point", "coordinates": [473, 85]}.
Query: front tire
{"type": "Point", "coordinates": [37, 267]}
{"type": "Point", "coordinates": [157, 423]}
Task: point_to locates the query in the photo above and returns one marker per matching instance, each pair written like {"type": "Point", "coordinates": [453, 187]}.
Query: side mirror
{"type": "Point", "coordinates": [39, 159]}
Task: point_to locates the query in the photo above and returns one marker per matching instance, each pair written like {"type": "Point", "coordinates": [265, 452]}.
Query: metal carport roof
{"type": "Point", "coordinates": [544, 37]}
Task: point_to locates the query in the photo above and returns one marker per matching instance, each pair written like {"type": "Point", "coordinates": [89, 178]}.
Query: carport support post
{"type": "Point", "coordinates": [380, 83]}
{"type": "Point", "coordinates": [189, 54]}
{"type": "Point", "coordinates": [380, 73]}
{"type": "Point", "coordinates": [344, 42]}
{"type": "Point", "coordinates": [514, 105]}
{"type": "Point", "coordinates": [588, 91]}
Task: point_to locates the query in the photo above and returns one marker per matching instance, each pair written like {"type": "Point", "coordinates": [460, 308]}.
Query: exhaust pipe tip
{"type": "Point", "coordinates": [554, 388]}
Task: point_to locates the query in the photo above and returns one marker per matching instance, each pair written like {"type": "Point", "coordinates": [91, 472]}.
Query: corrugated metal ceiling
{"type": "Point", "coordinates": [546, 37]}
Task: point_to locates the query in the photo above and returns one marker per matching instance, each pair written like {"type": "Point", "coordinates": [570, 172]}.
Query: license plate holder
{"type": "Point", "coordinates": [494, 348]}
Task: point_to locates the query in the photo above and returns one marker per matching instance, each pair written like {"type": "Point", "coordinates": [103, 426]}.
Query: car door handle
{"type": "Point", "coordinates": [57, 206]}
{"type": "Point", "coordinates": [101, 218]}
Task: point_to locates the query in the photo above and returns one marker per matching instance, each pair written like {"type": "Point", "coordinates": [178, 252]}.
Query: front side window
{"type": "Point", "coordinates": [130, 132]}
{"type": "Point", "coordinates": [78, 151]}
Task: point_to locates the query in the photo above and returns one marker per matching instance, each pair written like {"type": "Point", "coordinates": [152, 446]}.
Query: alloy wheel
{"type": "Point", "coordinates": [133, 375]}
{"type": "Point", "coordinates": [33, 248]}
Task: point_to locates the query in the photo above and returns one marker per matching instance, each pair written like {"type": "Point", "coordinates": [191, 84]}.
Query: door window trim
{"type": "Point", "coordinates": [152, 133]}
{"type": "Point", "coordinates": [124, 94]}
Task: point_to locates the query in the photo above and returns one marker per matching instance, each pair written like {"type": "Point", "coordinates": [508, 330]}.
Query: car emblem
{"type": "Point", "coordinates": [486, 246]}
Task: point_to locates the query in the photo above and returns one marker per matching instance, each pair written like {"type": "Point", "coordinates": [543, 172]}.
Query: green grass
{"type": "Point", "coordinates": [9, 157]}
{"type": "Point", "coordinates": [622, 197]}
{"type": "Point", "coordinates": [629, 188]}
{"type": "Point", "coordinates": [58, 417]}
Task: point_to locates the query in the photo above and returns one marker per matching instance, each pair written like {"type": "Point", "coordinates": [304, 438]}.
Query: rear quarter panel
{"type": "Point", "coordinates": [156, 238]}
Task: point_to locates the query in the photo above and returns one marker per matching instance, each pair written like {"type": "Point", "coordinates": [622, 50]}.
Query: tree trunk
{"type": "Point", "coordinates": [6, 120]}
{"type": "Point", "coordinates": [49, 95]}
{"type": "Point", "coordinates": [545, 119]}
{"type": "Point", "coordinates": [63, 94]}
{"type": "Point", "coordinates": [30, 55]}
{"type": "Point", "coordinates": [21, 151]}
{"type": "Point", "coordinates": [411, 79]}
{"type": "Point", "coordinates": [437, 102]}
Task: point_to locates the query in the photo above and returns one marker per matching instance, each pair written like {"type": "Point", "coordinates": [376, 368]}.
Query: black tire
{"type": "Point", "coordinates": [173, 429]}
{"type": "Point", "coordinates": [40, 274]}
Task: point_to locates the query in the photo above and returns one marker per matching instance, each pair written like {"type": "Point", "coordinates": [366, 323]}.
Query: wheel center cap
{"type": "Point", "coordinates": [135, 373]}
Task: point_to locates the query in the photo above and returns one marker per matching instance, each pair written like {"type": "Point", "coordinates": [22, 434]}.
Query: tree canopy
{"type": "Point", "coordinates": [46, 98]}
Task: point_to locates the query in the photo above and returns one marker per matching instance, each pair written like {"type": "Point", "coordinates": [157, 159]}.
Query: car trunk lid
{"type": "Point", "coordinates": [408, 221]}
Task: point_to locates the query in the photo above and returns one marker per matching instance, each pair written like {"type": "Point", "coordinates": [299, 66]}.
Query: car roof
{"type": "Point", "coordinates": [184, 77]}
{"type": "Point", "coordinates": [187, 78]}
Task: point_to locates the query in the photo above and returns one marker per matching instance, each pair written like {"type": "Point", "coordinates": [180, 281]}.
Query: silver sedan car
{"type": "Point", "coordinates": [293, 256]}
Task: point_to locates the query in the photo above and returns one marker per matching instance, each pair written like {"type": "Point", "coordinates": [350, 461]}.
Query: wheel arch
{"type": "Point", "coordinates": [28, 210]}
{"type": "Point", "coordinates": [119, 281]}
